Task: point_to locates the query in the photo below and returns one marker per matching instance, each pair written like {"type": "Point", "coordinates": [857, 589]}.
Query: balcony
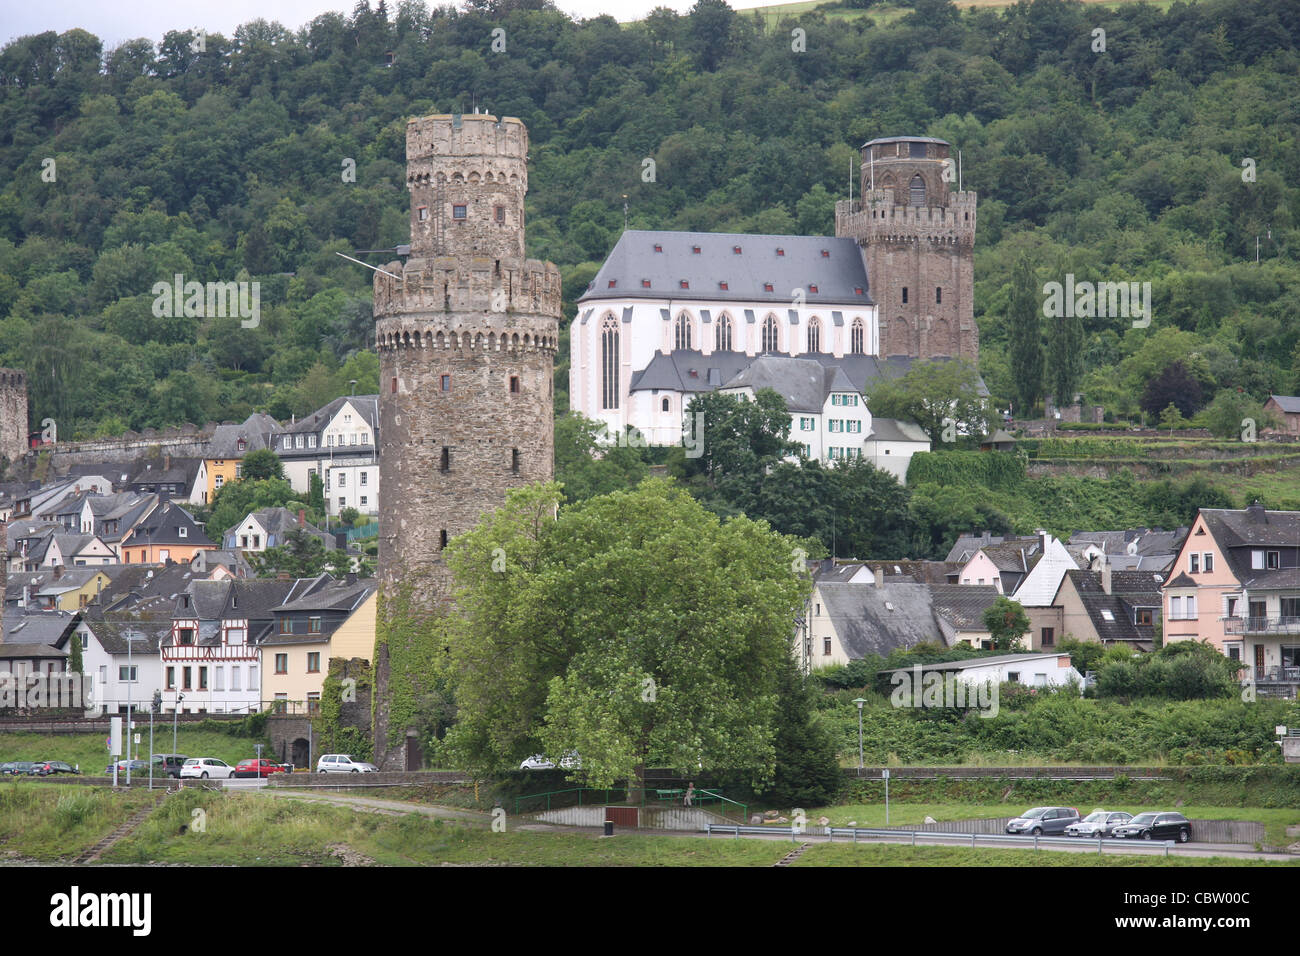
{"type": "Point", "coordinates": [1261, 625]}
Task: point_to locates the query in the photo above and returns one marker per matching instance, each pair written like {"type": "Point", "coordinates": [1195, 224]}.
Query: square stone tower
{"type": "Point", "coordinates": [918, 237]}
{"type": "Point", "coordinates": [467, 339]}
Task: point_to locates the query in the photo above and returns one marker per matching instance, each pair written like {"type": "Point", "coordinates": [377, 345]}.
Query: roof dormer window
{"type": "Point", "coordinates": [645, 283]}
{"type": "Point", "coordinates": [826, 253]}
{"type": "Point", "coordinates": [780, 251]}
{"type": "Point", "coordinates": [658, 248]}
{"type": "Point", "coordinates": [736, 250]}
{"type": "Point", "coordinates": [767, 287]}
{"type": "Point", "coordinates": [722, 286]}
{"type": "Point", "coordinates": [695, 250]}
{"type": "Point", "coordinates": [685, 284]}
{"type": "Point", "coordinates": [812, 288]}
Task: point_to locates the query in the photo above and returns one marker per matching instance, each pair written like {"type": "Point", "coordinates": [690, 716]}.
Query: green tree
{"type": "Point", "coordinates": [1064, 356]}
{"type": "Point", "coordinates": [75, 663]}
{"type": "Point", "coordinates": [587, 465]}
{"type": "Point", "coordinates": [1026, 335]}
{"type": "Point", "coordinates": [1007, 624]}
{"type": "Point", "coordinates": [940, 395]}
{"type": "Point", "coordinates": [302, 555]}
{"type": "Point", "coordinates": [807, 763]}
{"type": "Point", "coordinates": [261, 464]}
{"type": "Point", "coordinates": [591, 639]}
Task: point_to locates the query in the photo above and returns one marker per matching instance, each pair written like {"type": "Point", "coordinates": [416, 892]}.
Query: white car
{"type": "Point", "coordinates": [343, 763]}
{"type": "Point", "coordinates": [570, 761]}
{"type": "Point", "coordinates": [204, 767]}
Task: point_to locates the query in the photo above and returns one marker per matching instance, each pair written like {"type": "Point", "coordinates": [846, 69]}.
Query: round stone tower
{"type": "Point", "coordinates": [467, 339]}
{"type": "Point", "coordinates": [917, 233]}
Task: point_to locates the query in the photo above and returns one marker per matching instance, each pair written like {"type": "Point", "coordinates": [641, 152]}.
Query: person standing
{"type": "Point", "coordinates": [690, 792]}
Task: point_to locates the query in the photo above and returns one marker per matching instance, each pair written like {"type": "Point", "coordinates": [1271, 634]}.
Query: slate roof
{"type": "Point", "coordinates": [151, 590]}
{"type": "Point", "coordinates": [332, 595]}
{"type": "Point", "coordinates": [1238, 531]}
{"type": "Point", "coordinates": [37, 627]}
{"type": "Point", "coordinates": [10, 650]}
{"type": "Point", "coordinates": [1017, 555]}
{"type": "Point", "coordinates": [966, 545]}
{"type": "Point", "coordinates": [877, 620]}
{"type": "Point", "coordinates": [1129, 590]}
{"type": "Point", "coordinates": [963, 606]}
{"type": "Point", "coordinates": [804, 384]}
{"type": "Point", "coordinates": [179, 471]}
{"type": "Point", "coordinates": [893, 429]}
{"type": "Point", "coordinates": [44, 581]}
{"type": "Point", "coordinates": [904, 139]}
{"type": "Point", "coordinates": [1288, 403]}
{"type": "Point", "coordinates": [254, 431]}
{"type": "Point", "coordinates": [801, 266]}
{"type": "Point", "coordinates": [995, 659]}
{"type": "Point", "coordinates": [111, 633]}
{"type": "Point", "coordinates": [278, 523]}
{"type": "Point", "coordinates": [162, 527]}
{"type": "Point", "coordinates": [366, 405]}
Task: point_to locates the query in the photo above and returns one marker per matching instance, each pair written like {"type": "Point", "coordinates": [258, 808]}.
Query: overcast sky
{"type": "Point", "coordinates": [116, 20]}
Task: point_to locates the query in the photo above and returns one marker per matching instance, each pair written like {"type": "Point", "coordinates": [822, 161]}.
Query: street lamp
{"type": "Point", "coordinates": [130, 637]}
{"type": "Point", "coordinates": [859, 701]}
{"type": "Point", "coordinates": [175, 712]}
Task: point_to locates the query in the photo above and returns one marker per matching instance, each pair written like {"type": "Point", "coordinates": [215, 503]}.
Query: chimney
{"type": "Point", "coordinates": [58, 571]}
{"type": "Point", "coordinates": [351, 577]}
{"type": "Point", "coordinates": [1105, 575]}
{"type": "Point", "coordinates": [1255, 514]}
{"type": "Point", "coordinates": [1042, 539]}
{"type": "Point", "coordinates": [878, 575]}
{"type": "Point", "coordinates": [302, 517]}
{"type": "Point", "coordinates": [167, 462]}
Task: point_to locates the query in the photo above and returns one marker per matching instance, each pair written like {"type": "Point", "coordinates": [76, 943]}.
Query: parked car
{"type": "Point", "coordinates": [343, 763]}
{"type": "Point", "coordinates": [1156, 826]}
{"type": "Point", "coordinates": [168, 765]}
{"type": "Point", "coordinates": [46, 768]}
{"type": "Point", "coordinates": [570, 761]}
{"type": "Point", "coordinates": [1043, 820]}
{"type": "Point", "coordinates": [16, 767]}
{"type": "Point", "coordinates": [137, 766]}
{"type": "Point", "coordinates": [204, 767]}
{"type": "Point", "coordinates": [1098, 823]}
{"type": "Point", "coordinates": [253, 767]}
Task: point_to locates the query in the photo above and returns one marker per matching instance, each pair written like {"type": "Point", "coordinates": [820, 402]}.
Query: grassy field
{"type": "Point", "coordinates": [50, 822]}
{"type": "Point", "coordinates": [876, 854]}
{"type": "Point", "coordinates": [247, 830]}
{"type": "Point", "coordinates": [88, 750]}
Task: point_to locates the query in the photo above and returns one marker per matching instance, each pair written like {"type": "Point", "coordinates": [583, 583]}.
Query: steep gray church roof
{"type": "Point", "coordinates": [833, 266]}
{"type": "Point", "coordinates": [803, 383]}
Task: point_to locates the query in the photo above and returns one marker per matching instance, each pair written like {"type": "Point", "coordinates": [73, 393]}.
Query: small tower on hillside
{"type": "Point", "coordinates": [13, 414]}
{"type": "Point", "coordinates": [917, 233]}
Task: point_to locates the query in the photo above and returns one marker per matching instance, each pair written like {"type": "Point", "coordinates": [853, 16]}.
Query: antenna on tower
{"type": "Point", "coordinates": [367, 265]}
{"type": "Point", "coordinates": [959, 170]}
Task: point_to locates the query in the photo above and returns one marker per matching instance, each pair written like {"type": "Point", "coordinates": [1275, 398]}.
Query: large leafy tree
{"type": "Point", "coordinates": [636, 628]}
{"type": "Point", "coordinates": [587, 465]}
{"type": "Point", "coordinates": [1007, 623]}
{"type": "Point", "coordinates": [940, 395]}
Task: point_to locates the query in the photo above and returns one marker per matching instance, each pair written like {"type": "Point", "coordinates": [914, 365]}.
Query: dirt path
{"type": "Point", "coordinates": [382, 806]}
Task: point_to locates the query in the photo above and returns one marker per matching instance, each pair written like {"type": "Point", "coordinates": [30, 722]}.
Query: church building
{"type": "Point", "coordinates": [672, 314]}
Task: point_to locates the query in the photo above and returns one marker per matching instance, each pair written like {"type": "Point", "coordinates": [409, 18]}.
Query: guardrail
{"type": "Point", "coordinates": [971, 839]}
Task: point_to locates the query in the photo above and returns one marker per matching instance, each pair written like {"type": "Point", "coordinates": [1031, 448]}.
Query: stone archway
{"type": "Point", "coordinates": [301, 753]}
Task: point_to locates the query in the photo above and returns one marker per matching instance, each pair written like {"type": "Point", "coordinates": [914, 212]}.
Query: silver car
{"type": "Point", "coordinates": [343, 763]}
{"type": "Point", "coordinates": [1098, 823]}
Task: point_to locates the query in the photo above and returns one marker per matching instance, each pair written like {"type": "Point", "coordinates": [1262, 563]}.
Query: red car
{"type": "Point", "coordinates": [257, 768]}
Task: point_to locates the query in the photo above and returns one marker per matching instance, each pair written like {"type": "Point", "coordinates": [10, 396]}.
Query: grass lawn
{"type": "Point", "coordinates": [876, 854]}
{"type": "Point", "coordinates": [906, 814]}
{"type": "Point", "coordinates": [247, 830]}
{"type": "Point", "coordinates": [51, 822]}
{"type": "Point", "coordinates": [88, 750]}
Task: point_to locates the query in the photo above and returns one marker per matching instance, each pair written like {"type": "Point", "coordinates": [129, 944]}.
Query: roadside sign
{"type": "Point", "coordinates": [884, 774]}
{"type": "Point", "coordinates": [137, 738]}
{"type": "Point", "coordinates": [115, 736]}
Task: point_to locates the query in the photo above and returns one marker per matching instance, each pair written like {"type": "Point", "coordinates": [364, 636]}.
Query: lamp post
{"type": "Point", "coordinates": [175, 712]}
{"type": "Point", "coordinates": [859, 701]}
{"type": "Point", "coordinates": [130, 637]}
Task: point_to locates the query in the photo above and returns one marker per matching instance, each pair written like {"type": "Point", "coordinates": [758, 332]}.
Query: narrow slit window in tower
{"type": "Point", "coordinates": [446, 459]}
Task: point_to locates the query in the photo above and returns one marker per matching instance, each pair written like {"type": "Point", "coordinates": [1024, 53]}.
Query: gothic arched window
{"type": "Point", "coordinates": [722, 335]}
{"type": "Point", "coordinates": [815, 335]}
{"type": "Point", "coordinates": [918, 190]}
{"type": "Point", "coordinates": [609, 362]}
{"type": "Point", "coordinates": [683, 338]}
{"type": "Point", "coordinates": [856, 338]}
{"type": "Point", "coordinates": [769, 334]}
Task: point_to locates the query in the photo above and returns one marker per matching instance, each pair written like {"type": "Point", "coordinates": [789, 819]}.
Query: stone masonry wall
{"type": "Point", "coordinates": [13, 413]}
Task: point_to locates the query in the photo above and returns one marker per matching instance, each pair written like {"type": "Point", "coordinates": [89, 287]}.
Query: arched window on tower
{"type": "Point", "coordinates": [769, 334]}
{"type": "Point", "coordinates": [722, 335]}
{"type": "Point", "coordinates": [856, 338]}
{"type": "Point", "coordinates": [918, 190]}
{"type": "Point", "coordinates": [609, 362]}
{"type": "Point", "coordinates": [815, 335]}
{"type": "Point", "coordinates": [683, 338]}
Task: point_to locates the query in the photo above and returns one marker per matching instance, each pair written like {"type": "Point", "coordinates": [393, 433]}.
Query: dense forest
{"type": "Point", "coordinates": [223, 158]}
